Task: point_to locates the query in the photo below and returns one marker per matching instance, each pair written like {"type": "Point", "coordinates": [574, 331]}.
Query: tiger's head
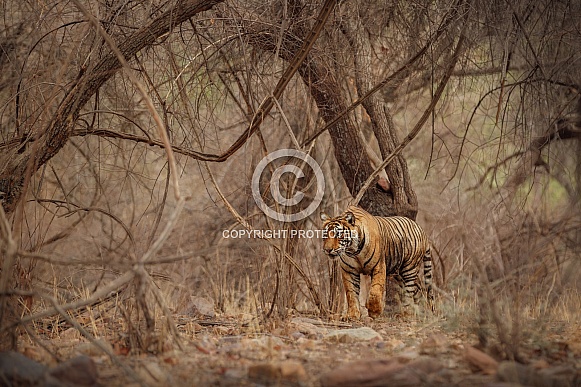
{"type": "Point", "coordinates": [341, 234]}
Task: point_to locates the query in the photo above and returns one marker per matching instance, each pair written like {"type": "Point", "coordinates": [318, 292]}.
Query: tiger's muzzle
{"type": "Point", "coordinates": [331, 252]}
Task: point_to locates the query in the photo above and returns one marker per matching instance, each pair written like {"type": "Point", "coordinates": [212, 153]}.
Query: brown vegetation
{"type": "Point", "coordinates": [130, 132]}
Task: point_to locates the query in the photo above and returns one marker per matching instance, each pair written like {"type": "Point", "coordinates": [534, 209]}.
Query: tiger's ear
{"type": "Point", "coordinates": [324, 217]}
{"type": "Point", "coordinates": [350, 218]}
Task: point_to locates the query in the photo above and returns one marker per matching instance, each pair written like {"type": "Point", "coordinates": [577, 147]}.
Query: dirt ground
{"type": "Point", "coordinates": [307, 351]}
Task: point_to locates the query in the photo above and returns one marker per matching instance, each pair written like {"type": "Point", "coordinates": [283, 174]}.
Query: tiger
{"type": "Point", "coordinates": [377, 246]}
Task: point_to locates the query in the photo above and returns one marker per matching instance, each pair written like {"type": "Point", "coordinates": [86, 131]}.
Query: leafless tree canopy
{"type": "Point", "coordinates": [475, 104]}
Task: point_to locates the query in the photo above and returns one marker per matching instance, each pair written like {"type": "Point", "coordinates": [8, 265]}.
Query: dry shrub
{"type": "Point", "coordinates": [506, 267]}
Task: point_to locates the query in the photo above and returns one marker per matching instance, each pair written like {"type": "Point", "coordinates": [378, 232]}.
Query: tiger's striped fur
{"type": "Point", "coordinates": [378, 247]}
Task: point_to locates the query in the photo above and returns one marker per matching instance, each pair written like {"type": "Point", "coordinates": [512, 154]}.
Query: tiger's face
{"type": "Point", "coordinates": [341, 234]}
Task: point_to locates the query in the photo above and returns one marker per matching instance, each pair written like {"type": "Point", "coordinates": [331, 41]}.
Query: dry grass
{"type": "Point", "coordinates": [83, 254]}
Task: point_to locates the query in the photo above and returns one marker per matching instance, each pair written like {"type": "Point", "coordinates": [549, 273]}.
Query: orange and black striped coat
{"type": "Point", "coordinates": [378, 247]}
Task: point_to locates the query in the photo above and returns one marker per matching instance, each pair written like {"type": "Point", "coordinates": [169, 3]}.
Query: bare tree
{"type": "Point", "coordinates": [33, 141]}
{"type": "Point", "coordinates": [488, 92]}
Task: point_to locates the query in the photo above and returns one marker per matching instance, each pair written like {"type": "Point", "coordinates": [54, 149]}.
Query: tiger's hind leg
{"type": "Point", "coordinates": [400, 289]}
{"type": "Point", "coordinates": [406, 296]}
{"type": "Point", "coordinates": [409, 280]}
{"type": "Point", "coordinates": [428, 278]}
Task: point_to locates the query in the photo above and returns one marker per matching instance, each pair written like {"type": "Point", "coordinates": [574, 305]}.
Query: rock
{"type": "Point", "coordinates": [287, 371]}
{"type": "Point", "coordinates": [394, 344]}
{"type": "Point", "coordinates": [200, 307]}
{"type": "Point", "coordinates": [71, 334]}
{"type": "Point", "coordinates": [408, 355]}
{"type": "Point", "coordinates": [480, 360]}
{"type": "Point", "coordinates": [235, 374]}
{"type": "Point", "coordinates": [78, 371]}
{"type": "Point", "coordinates": [259, 348]}
{"type": "Point", "coordinates": [431, 371]}
{"type": "Point", "coordinates": [19, 370]}
{"type": "Point", "coordinates": [311, 321]}
{"type": "Point", "coordinates": [368, 373]}
{"type": "Point", "coordinates": [152, 374]}
{"type": "Point", "coordinates": [307, 328]}
{"type": "Point", "coordinates": [263, 343]}
{"type": "Point", "coordinates": [540, 364]}
{"type": "Point", "coordinates": [434, 344]}
{"type": "Point", "coordinates": [444, 377]}
{"type": "Point", "coordinates": [352, 335]}
{"type": "Point", "coordinates": [513, 372]}
{"type": "Point", "coordinates": [91, 349]}
{"type": "Point", "coordinates": [205, 344]}
{"type": "Point", "coordinates": [562, 376]}
{"type": "Point", "coordinates": [297, 335]}
{"type": "Point", "coordinates": [427, 365]}
{"type": "Point", "coordinates": [306, 344]}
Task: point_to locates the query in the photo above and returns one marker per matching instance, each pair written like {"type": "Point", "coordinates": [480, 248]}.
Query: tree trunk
{"type": "Point", "coordinates": [404, 201]}
{"type": "Point", "coordinates": [38, 147]}
{"type": "Point", "coordinates": [327, 92]}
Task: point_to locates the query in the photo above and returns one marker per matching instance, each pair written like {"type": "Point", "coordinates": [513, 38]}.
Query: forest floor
{"type": "Point", "coordinates": [307, 351]}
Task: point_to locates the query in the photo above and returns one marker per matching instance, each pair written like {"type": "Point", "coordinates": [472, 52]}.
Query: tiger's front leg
{"type": "Point", "coordinates": [375, 302]}
{"type": "Point", "coordinates": [351, 283]}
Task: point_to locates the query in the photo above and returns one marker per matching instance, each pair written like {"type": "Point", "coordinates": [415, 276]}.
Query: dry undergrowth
{"type": "Point", "coordinates": [230, 348]}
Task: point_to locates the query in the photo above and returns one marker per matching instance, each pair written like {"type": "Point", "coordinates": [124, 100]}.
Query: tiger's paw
{"type": "Point", "coordinates": [352, 315]}
{"type": "Point", "coordinates": [349, 319]}
{"type": "Point", "coordinates": [374, 313]}
{"type": "Point", "coordinates": [374, 310]}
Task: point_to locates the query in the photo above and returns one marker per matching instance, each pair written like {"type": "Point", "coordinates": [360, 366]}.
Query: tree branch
{"type": "Point", "coordinates": [399, 73]}
{"type": "Point", "coordinates": [414, 132]}
{"type": "Point", "coordinates": [40, 147]}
